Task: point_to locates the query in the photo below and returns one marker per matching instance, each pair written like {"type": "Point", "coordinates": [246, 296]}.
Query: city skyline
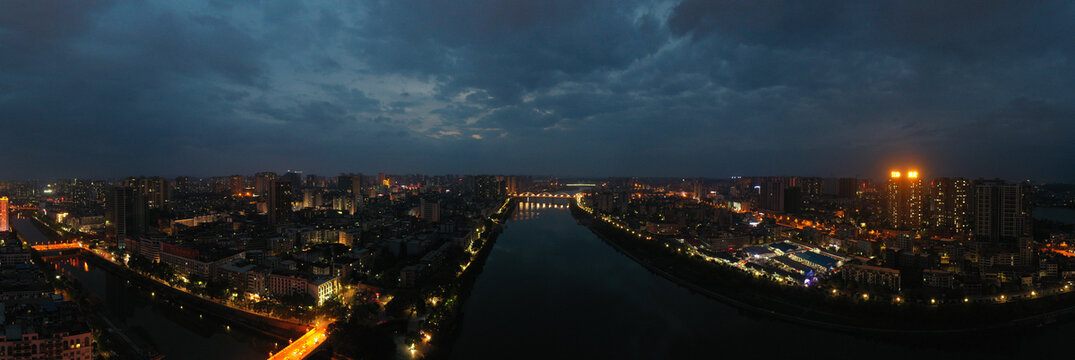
{"type": "Point", "coordinates": [536, 179]}
{"type": "Point", "coordinates": [644, 88]}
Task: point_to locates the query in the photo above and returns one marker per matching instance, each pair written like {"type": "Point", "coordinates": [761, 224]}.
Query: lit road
{"type": "Point", "coordinates": [304, 346]}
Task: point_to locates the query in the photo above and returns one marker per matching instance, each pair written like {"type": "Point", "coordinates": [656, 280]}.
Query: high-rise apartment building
{"type": "Point", "coordinates": [771, 194]}
{"type": "Point", "coordinates": [949, 205]}
{"type": "Point", "coordinates": [280, 202]}
{"type": "Point", "coordinates": [263, 182]}
{"type": "Point", "coordinates": [343, 182]}
{"type": "Point", "coordinates": [236, 185]}
{"type": "Point", "coordinates": [4, 224]}
{"type": "Point", "coordinates": [294, 177]}
{"type": "Point", "coordinates": [1002, 213]}
{"type": "Point", "coordinates": [905, 199]}
{"type": "Point", "coordinates": [308, 198]}
{"type": "Point", "coordinates": [848, 188]}
{"type": "Point", "coordinates": [358, 198]}
{"type": "Point", "coordinates": [183, 185]}
{"type": "Point", "coordinates": [155, 191]}
{"type": "Point", "coordinates": [351, 186]}
{"type": "Point", "coordinates": [518, 184]}
{"type": "Point", "coordinates": [429, 210]}
{"type": "Point", "coordinates": [313, 180]}
{"type": "Point", "coordinates": [125, 211]}
{"type": "Point", "coordinates": [86, 192]}
{"type": "Point", "coordinates": [382, 179]}
{"type": "Point", "coordinates": [485, 187]}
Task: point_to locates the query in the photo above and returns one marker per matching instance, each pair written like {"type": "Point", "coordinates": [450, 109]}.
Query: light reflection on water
{"type": "Point", "coordinates": [552, 289]}
{"type": "Point", "coordinates": [154, 322]}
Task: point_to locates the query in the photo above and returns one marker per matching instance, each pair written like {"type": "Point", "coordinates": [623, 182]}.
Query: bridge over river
{"type": "Point", "coordinates": [150, 320]}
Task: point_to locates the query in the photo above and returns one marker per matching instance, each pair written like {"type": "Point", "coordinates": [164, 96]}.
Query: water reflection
{"type": "Point", "coordinates": [530, 208]}
{"type": "Point", "coordinates": [151, 320]}
{"type": "Point", "coordinates": [551, 289]}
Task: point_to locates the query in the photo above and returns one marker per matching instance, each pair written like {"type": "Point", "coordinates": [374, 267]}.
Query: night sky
{"type": "Point", "coordinates": [563, 87]}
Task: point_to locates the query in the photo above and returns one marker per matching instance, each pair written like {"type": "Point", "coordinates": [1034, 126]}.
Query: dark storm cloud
{"type": "Point", "coordinates": [504, 49]}
{"type": "Point", "coordinates": [646, 87]}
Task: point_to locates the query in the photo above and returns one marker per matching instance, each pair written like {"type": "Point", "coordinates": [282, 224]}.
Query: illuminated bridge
{"type": "Point", "coordinates": [544, 195]}
{"type": "Point", "coordinates": [303, 346]}
{"type": "Point", "coordinates": [56, 246]}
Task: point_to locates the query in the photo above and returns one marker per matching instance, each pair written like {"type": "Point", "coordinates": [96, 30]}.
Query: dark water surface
{"type": "Point", "coordinates": [173, 332]}
{"type": "Point", "coordinates": [1063, 215]}
{"type": "Point", "coordinates": [551, 289]}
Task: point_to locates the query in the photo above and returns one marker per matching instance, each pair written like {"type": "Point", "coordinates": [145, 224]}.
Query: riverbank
{"type": "Point", "coordinates": [812, 308]}
{"type": "Point", "coordinates": [273, 328]}
{"type": "Point", "coordinates": [265, 326]}
{"type": "Point", "coordinates": [445, 339]}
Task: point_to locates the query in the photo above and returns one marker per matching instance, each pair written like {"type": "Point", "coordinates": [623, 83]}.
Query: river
{"type": "Point", "coordinates": [1063, 215]}
{"type": "Point", "coordinates": [172, 331]}
{"type": "Point", "coordinates": [552, 289]}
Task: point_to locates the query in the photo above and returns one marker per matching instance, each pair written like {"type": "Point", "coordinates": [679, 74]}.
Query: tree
{"type": "Point", "coordinates": [217, 289]}
{"type": "Point", "coordinates": [359, 341]}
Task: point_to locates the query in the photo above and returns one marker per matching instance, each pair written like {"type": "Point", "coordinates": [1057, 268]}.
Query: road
{"type": "Point", "coordinates": [304, 345]}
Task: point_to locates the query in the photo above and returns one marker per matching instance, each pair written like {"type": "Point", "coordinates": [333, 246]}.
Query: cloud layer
{"type": "Point", "coordinates": [604, 87]}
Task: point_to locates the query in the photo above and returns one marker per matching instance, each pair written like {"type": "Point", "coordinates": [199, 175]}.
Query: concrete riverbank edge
{"type": "Point", "coordinates": [446, 338]}
{"type": "Point", "coordinates": [273, 328]}
{"type": "Point", "coordinates": [1033, 321]}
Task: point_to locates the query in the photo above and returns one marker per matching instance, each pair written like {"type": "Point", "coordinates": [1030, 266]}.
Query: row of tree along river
{"type": "Point", "coordinates": [142, 316]}
{"type": "Point", "coordinates": [552, 288]}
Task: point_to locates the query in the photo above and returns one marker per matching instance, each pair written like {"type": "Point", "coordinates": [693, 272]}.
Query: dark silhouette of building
{"type": "Point", "coordinates": [429, 210]}
{"type": "Point", "coordinates": [949, 205]}
{"type": "Point", "coordinates": [771, 194]}
{"type": "Point", "coordinates": [262, 182]}
{"type": "Point", "coordinates": [848, 188]}
{"type": "Point", "coordinates": [280, 202]}
{"type": "Point", "coordinates": [236, 185]}
{"type": "Point", "coordinates": [156, 191]}
{"type": "Point", "coordinates": [793, 200]}
{"type": "Point", "coordinates": [125, 211]}
{"type": "Point", "coordinates": [1001, 213]}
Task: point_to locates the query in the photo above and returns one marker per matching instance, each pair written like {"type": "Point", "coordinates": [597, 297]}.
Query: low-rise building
{"type": "Point", "coordinates": [938, 279]}
{"type": "Point", "coordinates": [408, 276]}
{"type": "Point", "coordinates": [44, 331]}
{"type": "Point", "coordinates": [238, 275]}
{"type": "Point", "coordinates": [323, 288]}
{"type": "Point", "coordinates": [13, 254]}
{"type": "Point", "coordinates": [285, 284]}
{"type": "Point", "coordinates": [872, 275]}
{"type": "Point", "coordinates": [201, 262]}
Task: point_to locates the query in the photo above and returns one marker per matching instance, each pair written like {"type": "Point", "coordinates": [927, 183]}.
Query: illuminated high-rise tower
{"type": "Point", "coordinates": [3, 215]}
{"type": "Point", "coordinates": [904, 200]}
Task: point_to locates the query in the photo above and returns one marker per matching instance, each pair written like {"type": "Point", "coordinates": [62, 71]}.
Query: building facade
{"type": "Point", "coordinates": [905, 198]}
